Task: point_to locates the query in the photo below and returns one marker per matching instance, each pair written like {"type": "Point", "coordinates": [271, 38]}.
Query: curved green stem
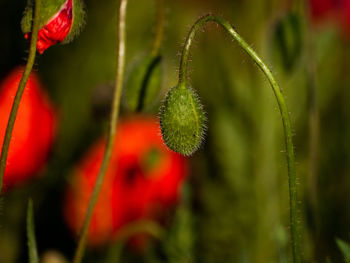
{"type": "Point", "coordinates": [295, 234]}
{"type": "Point", "coordinates": [142, 226]}
{"type": "Point", "coordinates": [20, 89]}
{"type": "Point", "coordinates": [111, 133]}
{"type": "Point", "coordinates": [158, 37]}
{"type": "Point", "coordinates": [146, 226]}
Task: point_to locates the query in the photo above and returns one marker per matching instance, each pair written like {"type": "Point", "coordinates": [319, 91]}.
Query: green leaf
{"type": "Point", "coordinates": [143, 84]}
{"type": "Point", "coordinates": [344, 248]}
{"type": "Point", "coordinates": [32, 250]}
{"type": "Point", "coordinates": [288, 40]}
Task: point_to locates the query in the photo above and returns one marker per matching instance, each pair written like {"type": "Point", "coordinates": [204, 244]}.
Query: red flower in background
{"type": "Point", "coordinates": [33, 131]}
{"type": "Point", "coordinates": [56, 29]}
{"type": "Point", "coordinates": [337, 10]}
{"type": "Point", "coordinates": [143, 180]}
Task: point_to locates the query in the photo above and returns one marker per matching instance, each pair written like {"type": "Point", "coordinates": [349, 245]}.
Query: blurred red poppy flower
{"type": "Point", "coordinates": [56, 29]}
{"type": "Point", "coordinates": [142, 182]}
{"type": "Point", "coordinates": [33, 131]}
{"type": "Point", "coordinates": [337, 10]}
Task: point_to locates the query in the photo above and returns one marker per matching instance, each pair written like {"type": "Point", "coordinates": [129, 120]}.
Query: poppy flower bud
{"type": "Point", "coordinates": [33, 132]}
{"type": "Point", "coordinates": [143, 83]}
{"type": "Point", "coordinates": [182, 120]}
{"type": "Point", "coordinates": [60, 21]}
{"type": "Point", "coordinates": [142, 182]}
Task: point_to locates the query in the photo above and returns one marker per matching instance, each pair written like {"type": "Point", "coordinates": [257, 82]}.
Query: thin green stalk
{"type": "Point", "coordinates": [158, 37]}
{"type": "Point", "coordinates": [295, 234]}
{"type": "Point", "coordinates": [111, 133]}
{"type": "Point", "coordinates": [32, 250]}
{"type": "Point", "coordinates": [20, 89]}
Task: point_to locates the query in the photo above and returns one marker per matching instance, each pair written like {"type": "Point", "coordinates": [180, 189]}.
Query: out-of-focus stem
{"type": "Point", "coordinates": [32, 250]}
{"type": "Point", "coordinates": [111, 133]}
{"type": "Point", "coordinates": [19, 93]}
{"type": "Point", "coordinates": [158, 37]}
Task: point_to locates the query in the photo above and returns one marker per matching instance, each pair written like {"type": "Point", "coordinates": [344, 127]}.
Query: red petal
{"type": "Point", "coordinates": [33, 132]}
{"type": "Point", "coordinates": [56, 29]}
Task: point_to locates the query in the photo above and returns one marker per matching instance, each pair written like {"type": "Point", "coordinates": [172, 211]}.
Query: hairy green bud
{"type": "Point", "coordinates": [182, 120]}
{"type": "Point", "coordinates": [143, 84]}
{"type": "Point", "coordinates": [79, 20]}
{"type": "Point", "coordinates": [48, 9]}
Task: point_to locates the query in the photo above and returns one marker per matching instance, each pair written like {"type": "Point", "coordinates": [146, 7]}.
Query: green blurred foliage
{"type": "Point", "coordinates": [235, 204]}
{"type": "Point", "coordinates": [345, 249]}
{"type": "Point", "coordinates": [143, 84]}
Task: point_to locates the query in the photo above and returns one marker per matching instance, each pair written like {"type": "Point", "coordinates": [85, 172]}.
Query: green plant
{"type": "Point", "coordinates": [111, 132]}
{"type": "Point", "coordinates": [182, 118]}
